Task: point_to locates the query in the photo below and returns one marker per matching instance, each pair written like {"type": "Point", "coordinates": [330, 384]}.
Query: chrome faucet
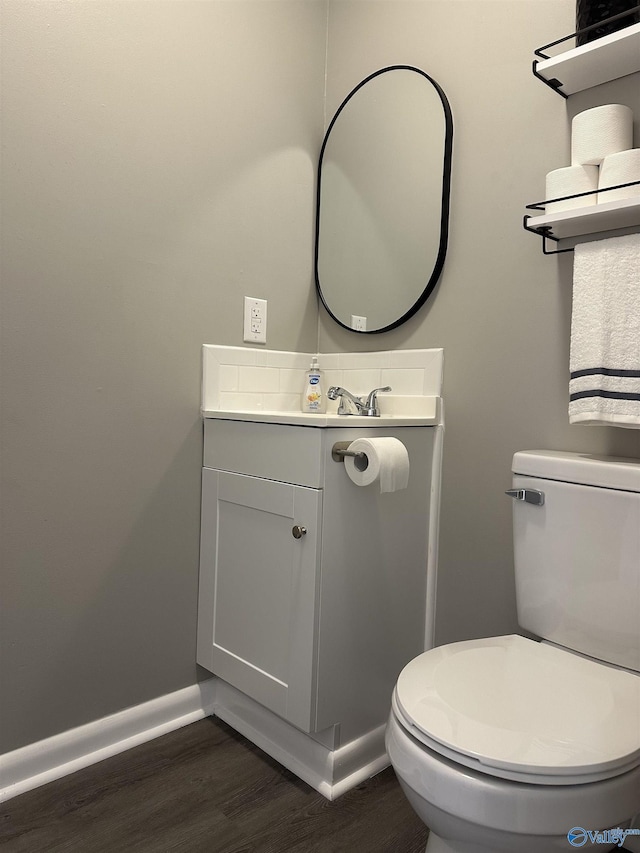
{"type": "Point", "coordinates": [352, 405]}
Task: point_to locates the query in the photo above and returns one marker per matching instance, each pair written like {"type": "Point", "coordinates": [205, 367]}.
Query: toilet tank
{"type": "Point", "coordinates": [577, 556]}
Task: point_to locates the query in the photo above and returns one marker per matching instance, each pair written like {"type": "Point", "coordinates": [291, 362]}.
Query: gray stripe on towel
{"type": "Point", "coordinates": [599, 392]}
{"type": "Point", "coordinates": [603, 371]}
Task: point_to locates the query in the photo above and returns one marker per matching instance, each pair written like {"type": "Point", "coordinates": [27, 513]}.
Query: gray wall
{"type": "Point", "coordinates": [502, 310]}
{"type": "Point", "coordinates": [158, 165]}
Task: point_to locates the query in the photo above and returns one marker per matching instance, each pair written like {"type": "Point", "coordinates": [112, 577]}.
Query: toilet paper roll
{"type": "Point", "coordinates": [599, 132]}
{"type": "Point", "coordinates": [620, 168]}
{"type": "Point", "coordinates": [387, 461]}
{"type": "Point", "coordinates": [569, 181]}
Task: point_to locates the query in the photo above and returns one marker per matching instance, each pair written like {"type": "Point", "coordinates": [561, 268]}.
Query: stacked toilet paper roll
{"type": "Point", "coordinates": [385, 460]}
{"type": "Point", "coordinates": [599, 132]}
{"type": "Point", "coordinates": [570, 181]}
{"type": "Point", "coordinates": [622, 167]}
{"type": "Point", "coordinates": [601, 156]}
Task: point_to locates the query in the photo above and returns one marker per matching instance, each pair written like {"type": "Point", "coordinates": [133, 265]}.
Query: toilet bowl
{"type": "Point", "coordinates": [530, 745]}
{"type": "Point", "coordinates": [468, 745]}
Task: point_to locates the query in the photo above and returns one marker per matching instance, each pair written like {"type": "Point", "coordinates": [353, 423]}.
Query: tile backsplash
{"type": "Point", "coordinates": [251, 379]}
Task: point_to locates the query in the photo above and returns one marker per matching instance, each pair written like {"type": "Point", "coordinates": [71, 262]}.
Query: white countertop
{"type": "Point", "coordinates": [429, 416]}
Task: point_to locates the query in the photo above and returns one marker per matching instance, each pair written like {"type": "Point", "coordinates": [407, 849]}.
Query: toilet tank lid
{"type": "Point", "coordinates": [609, 472]}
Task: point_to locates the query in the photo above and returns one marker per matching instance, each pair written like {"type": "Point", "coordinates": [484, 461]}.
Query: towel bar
{"type": "Point", "coordinates": [545, 233]}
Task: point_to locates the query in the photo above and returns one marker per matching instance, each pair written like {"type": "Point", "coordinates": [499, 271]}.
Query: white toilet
{"type": "Point", "coordinates": [526, 746]}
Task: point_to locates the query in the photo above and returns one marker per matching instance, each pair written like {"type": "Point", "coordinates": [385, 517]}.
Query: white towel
{"type": "Point", "coordinates": [604, 387]}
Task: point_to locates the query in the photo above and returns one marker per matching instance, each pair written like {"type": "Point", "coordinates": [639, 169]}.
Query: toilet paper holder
{"type": "Point", "coordinates": [341, 449]}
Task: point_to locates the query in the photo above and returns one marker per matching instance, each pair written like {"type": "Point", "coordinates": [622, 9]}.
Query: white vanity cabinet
{"type": "Point", "coordinates": [260, 564]}
{"type": "Point", "coordinates": [316, 628]}
{"type": "Point", "coordinates": [305, 637]}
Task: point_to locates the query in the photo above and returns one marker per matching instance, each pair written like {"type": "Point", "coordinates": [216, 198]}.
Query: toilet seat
{"type": "Point", "coordinates": [522, 710]}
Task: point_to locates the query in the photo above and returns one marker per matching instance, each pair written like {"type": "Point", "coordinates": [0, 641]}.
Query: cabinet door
{"type": "Point", "coordinates": [257, 617]}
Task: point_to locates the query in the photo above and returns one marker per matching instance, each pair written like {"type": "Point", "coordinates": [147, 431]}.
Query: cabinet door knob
{"type": "Point", "coordinates": [298, 531]}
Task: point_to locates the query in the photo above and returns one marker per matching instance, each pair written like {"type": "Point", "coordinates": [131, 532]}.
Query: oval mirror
{"type": "Point", "coordinates": [382, 210]}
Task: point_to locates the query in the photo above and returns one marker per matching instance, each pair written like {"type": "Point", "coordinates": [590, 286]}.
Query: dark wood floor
{"type": "Point", "coordinates": [205, 788]}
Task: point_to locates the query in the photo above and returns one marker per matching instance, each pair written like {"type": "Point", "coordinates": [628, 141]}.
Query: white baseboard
{"type": "Point", "coordinates": [329, 771]}
{"type": "Point", "coordinates": [38, 763]}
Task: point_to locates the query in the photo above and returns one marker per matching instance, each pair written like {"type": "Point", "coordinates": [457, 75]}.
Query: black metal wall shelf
{"type": "Point", "coordinates": [582, 221]}
{"type": "Point", "coordinates": [607, 58]}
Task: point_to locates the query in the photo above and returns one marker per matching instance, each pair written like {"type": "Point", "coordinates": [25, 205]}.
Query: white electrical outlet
{"type": "Point", "coordinates": [358, 324]}
{"type": "Point", "coordinates": [255, 320]}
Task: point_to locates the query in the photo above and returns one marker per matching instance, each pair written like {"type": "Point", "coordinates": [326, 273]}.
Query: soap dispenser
{"type": "Point", "coordinates": [313, 398]}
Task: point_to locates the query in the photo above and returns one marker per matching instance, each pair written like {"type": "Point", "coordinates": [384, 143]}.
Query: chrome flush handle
{"type": "Point", "coordinates": [530, 496]}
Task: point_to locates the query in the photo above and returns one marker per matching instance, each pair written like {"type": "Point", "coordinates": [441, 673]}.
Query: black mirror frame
{"type": "Point", "coordinates": [446, 195]}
